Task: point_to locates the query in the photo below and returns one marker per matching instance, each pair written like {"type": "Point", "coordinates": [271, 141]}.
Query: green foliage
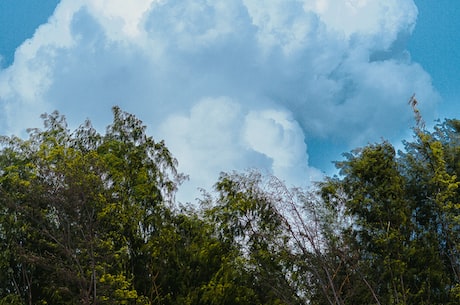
{"type": "Point", "coordinates": [78, 208]}
{"type": "Point", "coordinates": [405, 217]}
{"type": "Point", "coordinates": [90, 218]}
{"type": "Point", "coordinates": [11, 299]}
{"type": "Point", "coordinates": [246, 218]}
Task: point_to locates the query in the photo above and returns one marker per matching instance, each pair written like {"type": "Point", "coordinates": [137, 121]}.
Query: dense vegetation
{"type": "Point", "coordinates": [87, 218]}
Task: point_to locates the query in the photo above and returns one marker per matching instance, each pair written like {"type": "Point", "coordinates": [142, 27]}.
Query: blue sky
{"type": "Point", "coordinates": [435, 45]}
{"type": "Point", "coordinates": [18, 21]}
{"type": "Point", "coordinates": [286, 87]}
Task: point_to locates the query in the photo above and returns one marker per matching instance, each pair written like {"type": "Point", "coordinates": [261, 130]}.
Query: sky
{"type": "Point", "coordinates": [285, 87]}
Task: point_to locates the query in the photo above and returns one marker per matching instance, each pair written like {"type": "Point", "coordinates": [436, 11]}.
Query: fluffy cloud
{"type": "Point", "coordinates": [277, 136]}
{"type": "Point", "coordinates": [219, 135]}
{"type": "Point", "coordinates": [227, 84]}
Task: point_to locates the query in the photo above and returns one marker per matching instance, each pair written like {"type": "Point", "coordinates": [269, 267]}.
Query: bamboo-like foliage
{"type": "Point", "coordinates": [90, 218]}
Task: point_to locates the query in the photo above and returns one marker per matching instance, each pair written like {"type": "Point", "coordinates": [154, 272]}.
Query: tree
{"type": "Point", "coordinates": [431, 165]}
{"type": "Point", "coordinates": [90, 218]}
{"type": "Point", "coordinates": [281, 237]}
{"type": "Point", "coordinates": [79, 208]}
{"type": "Point", "coordinates": [246, 218]}
{"type": "Point", "coordinates": [381, 230]}
{"type": "Point", "coordinates": [404, 217]}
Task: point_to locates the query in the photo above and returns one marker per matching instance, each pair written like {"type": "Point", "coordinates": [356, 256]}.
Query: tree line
{"type": "Point", "coordinates": [90, 218]}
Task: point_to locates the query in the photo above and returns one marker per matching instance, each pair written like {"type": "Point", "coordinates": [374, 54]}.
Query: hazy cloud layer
{"type": "Point", "coordinates": [227, 84]}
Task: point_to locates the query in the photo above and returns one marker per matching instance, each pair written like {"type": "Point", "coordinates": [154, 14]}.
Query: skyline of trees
{"type": "Point", "coordinates": [90, 218]}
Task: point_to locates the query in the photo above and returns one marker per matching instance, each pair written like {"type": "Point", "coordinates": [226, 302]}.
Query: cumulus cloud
{"type": "Point", "coordinates": [277, 136]}
{"type": "Point", "coordinates": [227, 84]}
{"type": "Point", "coordinates": [219, 135]}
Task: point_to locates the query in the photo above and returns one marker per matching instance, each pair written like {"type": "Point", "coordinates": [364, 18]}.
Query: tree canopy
{"type": "Point", "coordinates": [91, 218]}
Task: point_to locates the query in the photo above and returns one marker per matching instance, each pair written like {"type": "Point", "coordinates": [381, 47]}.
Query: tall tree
{"type": "Point", "coordinates": [78, 209]}
{"type": "Point", "coordinates": [404, 212]}
{"type": "Point", "coordinates": [431, 165]}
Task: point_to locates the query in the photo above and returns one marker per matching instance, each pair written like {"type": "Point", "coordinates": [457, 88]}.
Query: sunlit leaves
{"type": "Point", "coordinates": [78, 206]}
{"type": "Point", "coordinates": [404, 210]}
{"type": "Point", "coordinates": [90, 218]}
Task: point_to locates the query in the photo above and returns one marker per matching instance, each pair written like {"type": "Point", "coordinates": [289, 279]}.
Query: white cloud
{"type": "Point", "coordinates": [228, 84]}
{"type": "Point", "coordinates": [120, 18]}
{"type": "Point", "coordinates": [218, 134]}
{"type": "Point", "coordinates": [207, 141]}
{"type": "Point", "coordinates": [383, 20]}
{"type": "Point", "coordinates": [278, 136]}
